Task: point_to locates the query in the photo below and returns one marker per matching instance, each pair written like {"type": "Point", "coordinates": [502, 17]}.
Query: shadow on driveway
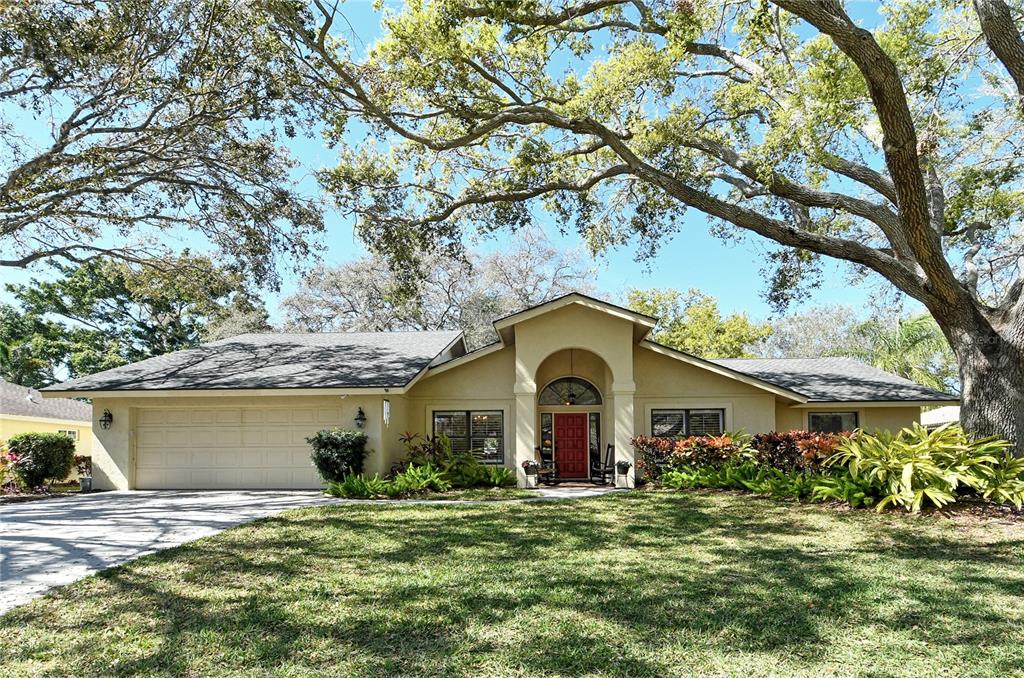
{"type": "Point", "coordinates": [54, 542]}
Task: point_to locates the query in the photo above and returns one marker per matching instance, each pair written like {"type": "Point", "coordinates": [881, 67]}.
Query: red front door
{"type": "Point", "coordinates": [571, 450]}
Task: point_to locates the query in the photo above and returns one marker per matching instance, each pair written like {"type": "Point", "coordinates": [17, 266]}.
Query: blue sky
{"type": "Point", "coordinates": [693, 258]}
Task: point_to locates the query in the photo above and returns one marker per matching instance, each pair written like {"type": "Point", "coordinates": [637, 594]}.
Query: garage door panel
{"type": "Point", "coordinates": [151, 437]}
{"type": "Point", "coordinates": [253, 436]}
{"type": "Point", "coordinates": [228, 416]}
{"type": "Point", "coordinates": [176, 417]}
{"type": "Point", "coordinates": [227, 448]}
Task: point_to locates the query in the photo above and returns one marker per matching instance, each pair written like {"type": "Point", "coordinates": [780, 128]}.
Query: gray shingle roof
{"type": "Point", "coordinates": [326, 360]}
{"type": "Point", "coordinates": [28, 402]}
{"type": "Point", "coordinates": [834, 379]}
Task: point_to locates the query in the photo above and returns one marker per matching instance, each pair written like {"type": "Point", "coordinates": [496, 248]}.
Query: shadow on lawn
{"type": "Point", "coordinates": [603, 586]}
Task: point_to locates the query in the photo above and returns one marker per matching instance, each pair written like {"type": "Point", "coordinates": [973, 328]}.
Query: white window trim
{"type": "Point", "coordinates": [679, 404]}
{"type": "Point", "coordinates": [477, 406]}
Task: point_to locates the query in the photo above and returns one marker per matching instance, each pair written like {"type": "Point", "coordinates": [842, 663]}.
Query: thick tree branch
{"type": "Point", "coordinates": [1003, 38]}
{"type": "Point", "coordinates": [900, 143]}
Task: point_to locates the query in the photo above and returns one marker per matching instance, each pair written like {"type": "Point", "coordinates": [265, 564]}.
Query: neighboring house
{"type": "Point", "coordinates": [934, 418]}
{"type": "Point", "coordinates": [24, 410]}
{"type": "Point", "coordinates": [574, 374]}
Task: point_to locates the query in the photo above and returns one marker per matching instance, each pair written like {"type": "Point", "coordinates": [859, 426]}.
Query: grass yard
{"type": "Point", "coordinates": [631, 584]}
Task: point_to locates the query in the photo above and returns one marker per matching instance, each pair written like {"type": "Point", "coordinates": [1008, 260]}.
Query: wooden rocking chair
{"type": "Point", "coordinates": [600, 472]}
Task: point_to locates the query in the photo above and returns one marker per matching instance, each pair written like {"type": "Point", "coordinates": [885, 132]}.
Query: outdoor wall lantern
{"type": "Point", "coordinates": [360, 418]}
{"type": "Point", "coordinates": [106, 419]}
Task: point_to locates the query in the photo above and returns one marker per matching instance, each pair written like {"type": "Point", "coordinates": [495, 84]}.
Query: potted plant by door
{"type": "Point", "coordinates": [622, 475]}
{"type": "Point", "coordinates": [530, 468]}
{"type": "Point", "coordinates": [83, 466]}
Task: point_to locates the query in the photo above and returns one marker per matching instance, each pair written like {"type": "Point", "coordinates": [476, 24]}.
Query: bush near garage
{"type": "Point", "coordinates": [338, 452]}
{"type": "Point", "coordinates": [41, 458]}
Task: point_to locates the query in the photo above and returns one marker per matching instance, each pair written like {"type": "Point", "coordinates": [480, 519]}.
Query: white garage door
{"type": "Point", "coordinates": [228, 448]}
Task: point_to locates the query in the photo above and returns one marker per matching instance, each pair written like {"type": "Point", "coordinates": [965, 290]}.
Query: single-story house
{"type": "Point", "coordinates": [24, 410]}
{"type": "Point", "coordinates": [572, 375]}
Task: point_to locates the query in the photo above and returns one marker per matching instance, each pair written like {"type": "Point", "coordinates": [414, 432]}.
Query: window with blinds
{"type": "Point", "coordinates": [696, 422]}
{"type": "Point", "coordinates": [831, 422]}
{"type": "Point", "coordinates": [480, 432]}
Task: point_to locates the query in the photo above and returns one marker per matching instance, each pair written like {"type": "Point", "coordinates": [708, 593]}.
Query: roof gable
{"type": "Point", "coordinates": [713, 366]}
{"type": "Point", "coordinates": [642, 324]}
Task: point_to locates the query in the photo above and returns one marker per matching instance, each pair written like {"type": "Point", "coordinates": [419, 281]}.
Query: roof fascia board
{"type": "Point", "coordinates": [203, 393]}
{"type": "Point", "coordinates": [47, 420]}
{"type": "Point", "coordinates": [469, 357]}
{"type": "Point", "coordinates": [871, 403]}
{"type": "Point", "coordinates": [574, 298]}
{"type": "Point", "coordinates": [724, 371]}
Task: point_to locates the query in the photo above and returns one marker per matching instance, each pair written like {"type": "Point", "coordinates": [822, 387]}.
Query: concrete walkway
{"type": "Point", "coordinates": [53, 542]}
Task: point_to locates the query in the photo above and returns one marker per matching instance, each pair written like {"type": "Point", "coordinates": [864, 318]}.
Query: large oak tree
{"type": "Point", "coordinates": [129, 126]}
{"type": "Point", "coordinates": [894, 147]}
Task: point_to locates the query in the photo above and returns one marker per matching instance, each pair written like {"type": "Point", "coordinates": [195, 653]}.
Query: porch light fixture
{"type": "Point", "coordinates": [106, 419]}
{"type": "Point", "coordinates": [360, 418]}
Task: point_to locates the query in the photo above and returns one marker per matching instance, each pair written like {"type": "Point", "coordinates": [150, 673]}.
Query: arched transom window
{"type": "Point", "coordinates": [570, 391]}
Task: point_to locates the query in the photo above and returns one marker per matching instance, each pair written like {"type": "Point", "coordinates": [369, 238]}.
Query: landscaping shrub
{"type": "Point", "coordinates": [460, 469]}
{"type": "Point", "coordinates": [358, 486]}
{"type": "Point", "coordinates": [916, 466]}
{"type": "Point", "coordinates": [794, 449]}
{"type": "Point", "coordinates": [656, 455]}
{"type": "Point", "coordinates": [41, 458]}
{"type": "Point", "coordinates": [499, 476]}
{"type": "Point", "coordinates": [8, 481]}
{"type": "Point", "coordinates": [338, 453]}
{"type": "Point", "coordinates": [413, 480]}
{"type": "Point", "coordinates": [910, 469]}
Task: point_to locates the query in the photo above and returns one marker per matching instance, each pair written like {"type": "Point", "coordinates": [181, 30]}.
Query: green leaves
{"type": "Point", "coordinates": [693, 323]}
{"type": "Point", "coordinates": [918, 466]}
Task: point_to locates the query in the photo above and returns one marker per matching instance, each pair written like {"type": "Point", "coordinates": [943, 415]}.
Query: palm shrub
{"type": "Point", "coordinates": [338, 453]}
{"type": "Point", "coordinates": [460, 469]}
{"type": "Point", "coordinates": [916, 466]}
{"type": "Point", "coordinates": [499, 476]}
{"type": "Point", "coordinates": [41, 458]}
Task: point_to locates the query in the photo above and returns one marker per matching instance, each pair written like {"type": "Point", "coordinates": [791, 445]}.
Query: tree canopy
{"type": "Point", "coordinates": [692, 322]}
{"type": "Point", "coordinates": [893, 147]}
{"type": "Point", "coordinates": [128, 123]}
{"type": "Point", "coordinates": [465, 293]}
{"type": "Point", "coordinates": [103, 314]}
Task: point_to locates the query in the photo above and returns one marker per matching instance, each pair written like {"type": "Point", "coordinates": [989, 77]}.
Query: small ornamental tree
{"type": "Point", "coordinates": [41, 457]}
{"type": "Point", "coordinates": [338, 452]}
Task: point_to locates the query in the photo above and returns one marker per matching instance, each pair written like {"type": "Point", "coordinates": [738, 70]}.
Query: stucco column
{"type": "Point", "coordinates": [526, 437]}
{"type": "Point", "coordinates": [622, 414]}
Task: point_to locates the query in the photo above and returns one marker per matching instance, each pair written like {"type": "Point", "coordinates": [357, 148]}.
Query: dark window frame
{"type": "Point", "coordinates": [686, 418]}
{"type": "Point", "coordinates": [833, 413]}
{"type": "Point", "coordinates": [468, 438]}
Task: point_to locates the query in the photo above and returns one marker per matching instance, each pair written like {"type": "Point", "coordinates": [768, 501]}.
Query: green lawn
{"type": "Point", "coordinates": [628, 584]}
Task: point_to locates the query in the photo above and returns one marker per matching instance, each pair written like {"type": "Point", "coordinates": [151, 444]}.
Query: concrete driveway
{"type": "Point", "coordinates": [53, 542]}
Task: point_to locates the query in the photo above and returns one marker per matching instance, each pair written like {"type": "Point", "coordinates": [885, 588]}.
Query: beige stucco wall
{"type": "Point", "coordinates": [13, 424]}
{"type": "Point", "coordinates": [662, 382]}
{"type": "Point", "coordinates": [484, 383]}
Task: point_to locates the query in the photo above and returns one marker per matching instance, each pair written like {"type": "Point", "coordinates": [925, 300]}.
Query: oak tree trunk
{"type": "Point", "coordinates": [992, 381]}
